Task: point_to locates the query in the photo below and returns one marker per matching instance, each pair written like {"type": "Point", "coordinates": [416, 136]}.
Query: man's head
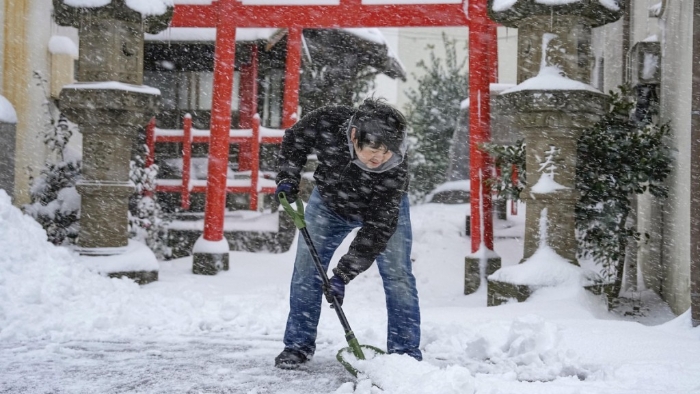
{"type": "Point", "coordinates": [377, 131]}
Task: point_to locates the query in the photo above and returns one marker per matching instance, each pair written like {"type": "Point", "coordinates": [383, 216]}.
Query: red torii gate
{"type": "Point", "coordinates": [227, 15]}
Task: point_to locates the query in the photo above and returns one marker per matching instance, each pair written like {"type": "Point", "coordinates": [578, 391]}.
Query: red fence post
{"type": "Point", "coordinates": [224, 57]}
{"type": "Point", "coordinates": [186, 161]}
{"type": "Point", "coordinates": [249, 106]}
{"type": "Point", "coordinates": [255, 163]}
{"type": "Point", "coordinates": [514, 179]}
{"type": "Point", "coordinates": [151, 142]}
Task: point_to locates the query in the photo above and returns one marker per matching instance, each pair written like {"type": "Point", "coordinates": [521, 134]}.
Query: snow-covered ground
{"type": "Point", "coordinates": [65, 329]}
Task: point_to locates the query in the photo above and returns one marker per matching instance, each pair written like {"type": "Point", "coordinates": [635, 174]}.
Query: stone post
{"type": "Point", "coordinates": [111, 106]}
{"type": "Point", "coordinates": [552, 105]}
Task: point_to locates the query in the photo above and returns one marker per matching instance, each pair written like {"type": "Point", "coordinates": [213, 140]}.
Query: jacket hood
{"type": "Point", "coordinates": [396, 159]}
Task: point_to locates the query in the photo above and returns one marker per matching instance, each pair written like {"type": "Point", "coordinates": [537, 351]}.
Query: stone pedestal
{"type": "Point", "coordinates": [210, 257]}
{"type": "Point", "coordinates": [111, 106]}
{"type": "Point", "coordinates": [110, 116]}
{"type": "Point", "coordinates": [477, 269]}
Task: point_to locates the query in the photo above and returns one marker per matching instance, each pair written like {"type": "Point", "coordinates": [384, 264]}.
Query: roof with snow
{"type": "Point", "coordinates": [325, 46]}
{"type": "Point", "coordinates": [510, 13]}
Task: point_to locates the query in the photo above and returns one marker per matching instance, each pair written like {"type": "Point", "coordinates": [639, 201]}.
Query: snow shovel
{"type": "Point", "coordinates": [354, 346]}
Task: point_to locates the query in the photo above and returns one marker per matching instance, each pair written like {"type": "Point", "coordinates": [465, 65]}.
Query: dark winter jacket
{"type": "Point", "coordinates": [352, 192]}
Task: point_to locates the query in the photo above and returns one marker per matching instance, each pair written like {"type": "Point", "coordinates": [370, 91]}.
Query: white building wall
{"type": "Point", "coordinates": [643, 26]}
{"type": "Point", "coordinates": [412, 45]}
{"type": "Point", "coordinates": [676, 47]}
{"type": "Point", "coordinates": [33, 119]}
{"type": "Point", "coordinates": [2, 39]}
{"type": "Point", "coordinates": [28, 95]}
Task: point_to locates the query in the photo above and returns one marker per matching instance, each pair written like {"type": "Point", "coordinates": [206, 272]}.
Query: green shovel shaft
{"type": "Point", "coordinates": [298, 217]}
{"type": "Point", "coordinates": [354, 345]}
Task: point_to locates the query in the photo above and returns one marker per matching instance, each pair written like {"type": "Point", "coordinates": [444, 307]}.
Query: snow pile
{"type": "Point", "coordinates": [63, 45]}
{"type": "Point", "coordinates": [404, 375]}
{"type": "Point", "coordinates": [114, 85]}
{"type": "Point", "coordinates": [87, 3]}
{"type": "Point", "coordinates": [187, 34]}
{"type": "Point", "coordinates": [46, 292]}
{"type": "Point", "coordinates": [7, 111]}
{"type": "Point", "coordinates": [551, 78]}
{"type": "Point", "coordinates": [503, 5]}
{"type": "Point", "coordinates": [544, 268]}
{"type": "Point", "coordinates": [546, 184]}
{"type": "Point", "coordinates": [533, 351]}
{"type": "Point", "coordinates": [145, 7]}
{"type": "Point", "coordinates": [150, 7]}
{"type": "Point", "coordinates": [528, 349]}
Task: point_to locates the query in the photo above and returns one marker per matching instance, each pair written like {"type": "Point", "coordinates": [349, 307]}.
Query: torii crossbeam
{"type": "Point", "coordinates": [227, 15]}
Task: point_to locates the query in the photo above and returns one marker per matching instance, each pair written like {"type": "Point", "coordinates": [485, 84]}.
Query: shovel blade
{"type": "Point", "coordinates": [348, 354]}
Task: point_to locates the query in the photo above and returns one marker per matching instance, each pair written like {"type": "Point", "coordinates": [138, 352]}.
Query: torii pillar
{"type": "Point", "coordinates": [483, 69]}
{"type": "Point", "coordinates": [211, 251]}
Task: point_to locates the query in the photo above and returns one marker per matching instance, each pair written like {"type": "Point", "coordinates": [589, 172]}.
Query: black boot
{"type": "Point", "coordinates": [290, 359]}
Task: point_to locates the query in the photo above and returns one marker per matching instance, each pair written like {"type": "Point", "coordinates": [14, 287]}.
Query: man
{"type": "Point", "coordinates": [361, 181]}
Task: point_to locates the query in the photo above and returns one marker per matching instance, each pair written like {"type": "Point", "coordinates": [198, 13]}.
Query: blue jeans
{"type": "Point", "coordinates": [328, 230]}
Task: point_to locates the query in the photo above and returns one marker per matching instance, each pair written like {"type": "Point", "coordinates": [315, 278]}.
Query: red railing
{"type": "Point", "coordinates": [248, 140]}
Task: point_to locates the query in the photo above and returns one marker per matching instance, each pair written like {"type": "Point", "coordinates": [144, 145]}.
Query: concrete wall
{"type": "Point", "coordinates": [676, 46]}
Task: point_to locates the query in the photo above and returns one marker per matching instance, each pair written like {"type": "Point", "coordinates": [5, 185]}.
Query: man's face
{"type": "Point", "coordinates": [371, 157]}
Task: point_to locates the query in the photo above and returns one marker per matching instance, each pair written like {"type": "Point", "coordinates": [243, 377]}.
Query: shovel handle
{"type": "Point", "coordinates": [298, 214]}
{"type": "Point", "coordinates": [298, 217]}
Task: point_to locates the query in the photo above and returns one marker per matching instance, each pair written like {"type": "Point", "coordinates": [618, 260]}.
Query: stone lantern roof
{"type": "Point", "coordinates": [511, 13]}
{"type": "Point", "coordinates": [154, 14]}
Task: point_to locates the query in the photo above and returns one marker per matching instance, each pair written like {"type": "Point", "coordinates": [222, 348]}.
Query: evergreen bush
{"type": "Point", "coordinates": [432, 114]}
{"type": "Point", "coordinates": [55, 203]}
{"type": "Point", "coordinates": [146, 218]}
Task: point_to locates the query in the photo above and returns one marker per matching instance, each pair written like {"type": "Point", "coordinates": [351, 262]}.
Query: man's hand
{"type": "Point", "coordinates": [337, 290]}
{"type": "Point", "coordinates": [290, 190]}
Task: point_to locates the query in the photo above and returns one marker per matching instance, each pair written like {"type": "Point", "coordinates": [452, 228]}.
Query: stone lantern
{"type": "Point", "coordinates": [111, 105]}
{"type": "Point", "coordinates": [552, 104]}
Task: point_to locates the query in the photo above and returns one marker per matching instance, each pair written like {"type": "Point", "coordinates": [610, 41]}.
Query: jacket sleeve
{"type": "Point", "coordinates": [298, 142]}
{"type": "Point", "coordinates": [379, 226]}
